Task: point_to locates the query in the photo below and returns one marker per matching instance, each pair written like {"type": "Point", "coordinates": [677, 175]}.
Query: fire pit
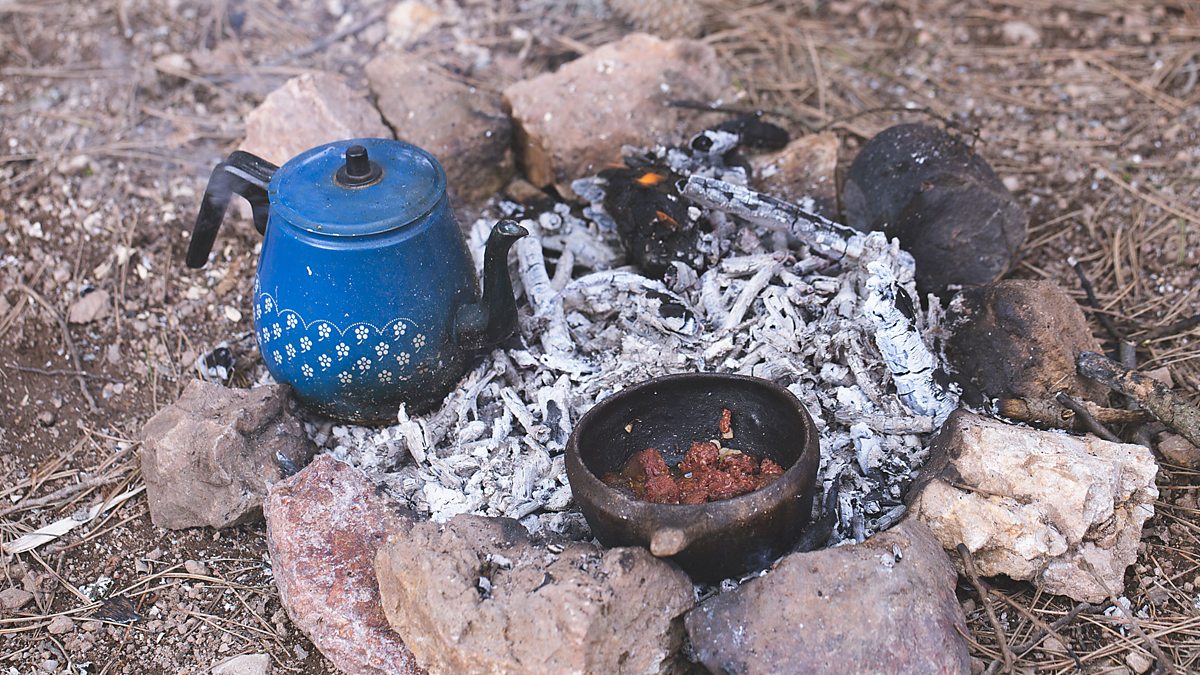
{"type": "Point", "coordinates": [709, 541]}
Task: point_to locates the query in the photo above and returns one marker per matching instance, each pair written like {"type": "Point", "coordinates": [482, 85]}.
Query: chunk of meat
{"type": "Point", "coordinates": [725, 424]}
{"type": "Point", "coordinates": [739, 463]}
{"type": "Point", "coordinates": [649, 463]}
{"type": "Point", "coordinates": [770, 468]}
{"type": "Point", "coordinates": [720, 485]}
{"type": "Point", "coordinates": [702, 455]}
{"type": "Point", "coordinates": [662, 490]}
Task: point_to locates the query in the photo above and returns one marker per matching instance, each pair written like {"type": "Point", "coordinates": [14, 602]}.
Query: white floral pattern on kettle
{"type": "Point", "coordinates": [322, 349]}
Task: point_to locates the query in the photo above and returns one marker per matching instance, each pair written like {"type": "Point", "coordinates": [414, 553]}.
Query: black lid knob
{"type": "Point", "coordinates": [359, 170]}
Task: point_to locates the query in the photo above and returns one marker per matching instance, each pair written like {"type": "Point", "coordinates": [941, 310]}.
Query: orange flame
{"type": "Point", "coordinates": [650, 178]}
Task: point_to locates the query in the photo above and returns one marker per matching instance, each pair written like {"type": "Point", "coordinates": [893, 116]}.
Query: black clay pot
{"type": "Point", "coordinates": [709, 541]}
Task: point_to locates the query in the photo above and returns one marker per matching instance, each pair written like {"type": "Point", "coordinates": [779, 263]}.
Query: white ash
{"type": "Point", "coordinates": [590, 329]}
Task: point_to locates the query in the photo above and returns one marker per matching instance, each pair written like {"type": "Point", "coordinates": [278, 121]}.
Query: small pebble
{"type": "Point", "coordinates": [1138, 662]}
{"type": "Point", "coordinates": [14, 598]}
{"type": "Point", "coordinates": [196, 567]}
{"type": "Point", "coordinates": [60, 625]}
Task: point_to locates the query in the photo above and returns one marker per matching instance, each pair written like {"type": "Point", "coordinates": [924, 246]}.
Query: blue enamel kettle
{"type": "Point", "coordinates": [365, 296]}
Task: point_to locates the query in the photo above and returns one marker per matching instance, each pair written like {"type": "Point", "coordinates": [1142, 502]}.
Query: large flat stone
{"type": "Point", "coordinates": [324, 526]}
{"type": "Point", "coordinates": [1019, 338]}
{"type": "Point", "coordinates": [307, 111]}
{"type": "Point", "coordinates": [209, 458]}
{"type": "Point", "coordinates": [479, 595]}
{"type": "Point", "coordinates": [1038, 505]}
{"type": "Point", "coordinates": [886, 605]}
{"type": "Point", "coordinates": [464, 126]}
{"type": "Point", "coordinates": [573, 122]}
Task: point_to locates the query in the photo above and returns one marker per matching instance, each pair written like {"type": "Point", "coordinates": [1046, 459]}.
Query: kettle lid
{"type": "Point", "coordinates": [357, 187]}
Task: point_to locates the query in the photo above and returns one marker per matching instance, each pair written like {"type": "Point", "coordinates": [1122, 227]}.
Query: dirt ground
{"type": "Point", "coordinates": [112, 114]}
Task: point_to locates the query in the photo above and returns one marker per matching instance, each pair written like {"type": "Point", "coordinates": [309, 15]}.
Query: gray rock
{"type": "Point", "coordinates": [307, 111]}
{"type": "Point", "coordinates": [12, 599]}
{"type": "Point", "coordinates": [885, 605]}
{"type": "Point", "coordinates": [1018, 338]}
{"type": "Point", "coordinates": [245, 664]}
{"type": "Point", "coordinates": [324, 526]}
{"type": "Point", "coordinates": [60, 625]}
{"type": "Point", "coordinates": [89, 308]}
{"type": "Point", "coordinates": [209, 458]}
{"type": "Point", "coordinates": [1037, 505]}
{"type": "Point", "coordinates": [573, 122]}
{"type": "Point", "coordinates": [464, 126]}
{"type": "Point", "coordinates": [941, 199]}
{"type": "Point", "coordinates": [409, 20]}
{"type": "Point", "coordinates": [478, 595]}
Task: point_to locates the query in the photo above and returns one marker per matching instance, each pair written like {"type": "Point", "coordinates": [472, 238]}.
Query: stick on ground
{"type": "Point", "coordinates": [969, 567]}
{"type": "Point", "coordinates": [1092, 302]}
{"type": "Point", "coordinates": [1172, 409]}
{"type": "Point", "coordinates": [1049, 413]}
{"type": "Point", "coordinates": [1082, 413]}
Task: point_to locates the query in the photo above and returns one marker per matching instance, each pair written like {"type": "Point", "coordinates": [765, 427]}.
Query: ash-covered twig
{"type": "Point", "coordinates": [1170, 408]}
{"type": "Point", "coordinates": [825, 237]}
{"type": "Point", "coordinates": [913, 365]}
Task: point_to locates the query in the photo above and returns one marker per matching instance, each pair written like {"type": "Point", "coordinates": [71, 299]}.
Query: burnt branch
{"type": "Point", "coordinates": [1094, 303]}
{"type": "Point", "coordinates": [1049, 413]}
{"type": "Point", "coordinates": [1166, 405]}
{"type": "Point", "coordinates": [825, 237]}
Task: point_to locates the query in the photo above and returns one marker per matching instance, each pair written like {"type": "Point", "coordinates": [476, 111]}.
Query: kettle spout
{"type": "Point", "coordinates": [495, 317]}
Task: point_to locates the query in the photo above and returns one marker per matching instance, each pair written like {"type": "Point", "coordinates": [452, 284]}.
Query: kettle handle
{"type": "Point", "coordinates": [244, 174]}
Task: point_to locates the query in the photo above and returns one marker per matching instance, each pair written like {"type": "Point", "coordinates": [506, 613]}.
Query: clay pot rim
{"type": "Point", "coordinates": [792, 484]}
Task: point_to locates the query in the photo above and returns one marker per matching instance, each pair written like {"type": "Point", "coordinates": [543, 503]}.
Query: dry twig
{"type": "Point", "coordinates": [1151, 394]}
{"type": "Point", "coordinates": [1050, 413]}
{"type": "Point", "coordinates": [1164, 663]}
{"type": "Point", "coordinates": [1082, 413]}
{"type": "Point", "coordinates": [981, 589]}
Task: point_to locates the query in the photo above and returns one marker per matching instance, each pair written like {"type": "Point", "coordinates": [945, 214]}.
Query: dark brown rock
{"type": "Point", "coordinates": [324, 526]}
{"type": "Point", "coordinates": [849, 609]}
{"type": "Point", "coordinates": [12, 599]}
{"type": "Point", "coordinates": [573, 122]}
{"type": "Point", "coordinates": [478, 595]}
{"type": "Point", "coordinates": [1019, 338]}
{"type": "Point", "coordinates": [464, 126]}
{"type": "Point", "coordinates": [209, 458]}
{"type": "Point", "coordinates": [942, 201]}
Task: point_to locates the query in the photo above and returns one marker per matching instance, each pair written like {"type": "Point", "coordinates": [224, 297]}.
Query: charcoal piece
{"type": "Point", "coordinates": [652, 219]}
{"type": "Point", "coordinates": [941, 199]}
{"type": "Point", "coordinates": [960, 233]}
{"type": "Point", "coordinates": [755, 132]}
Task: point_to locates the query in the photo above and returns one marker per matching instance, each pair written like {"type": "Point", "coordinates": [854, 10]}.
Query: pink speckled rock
{"type": "Point", "coordinates": [323, 527]}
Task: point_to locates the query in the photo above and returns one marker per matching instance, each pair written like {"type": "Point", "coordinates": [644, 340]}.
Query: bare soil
{"type": "Point", "coordinates": [112, 114]}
